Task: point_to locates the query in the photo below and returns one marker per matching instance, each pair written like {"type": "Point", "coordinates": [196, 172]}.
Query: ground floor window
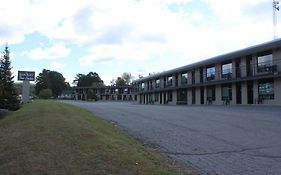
{"type": "Point", "coordinates": [226, 92]}
{"type": "Point", "coordinates": [119, 97]}
{"type": "Point", "coordinates": [150, 98]}
{"type": "Point", "coordinates": [156, 96]}
{"type": "Point", "coordinates": [266, 89]}
{"type": "Point", "coordinates": [182, 95]}
{"type": "Point", "coordinates": [211, 93]}
{"type": "Point", "coordinates": [170, 96]}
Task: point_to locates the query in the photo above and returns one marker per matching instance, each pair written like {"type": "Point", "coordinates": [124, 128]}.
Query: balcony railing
{"type": "Point", "coordinates": [226, 76]}
{"type": "Point", "coordinates": [267, 68]}
{"type": "Point", "coordinates": [241, 72]}
{"type": "Point", "coordinates": [210, 77]}
{"type": "Point", "coordinates": [169, 83]}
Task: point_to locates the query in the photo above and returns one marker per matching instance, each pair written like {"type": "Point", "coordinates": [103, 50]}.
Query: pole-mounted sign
{"type": "Point", "coordinates": [26, 76]}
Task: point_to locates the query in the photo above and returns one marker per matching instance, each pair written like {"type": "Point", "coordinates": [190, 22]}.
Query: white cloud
{"type": "Point", "coordinates": [56, 65]}
{"type": "Point", "coordinates": [114, 31]}
{"type": "Point", "coordinates": [91, 60]}
{"type": "Point", "coordinates": [142, 30]}
{"type": "Point", "coordinates": [52, 53]}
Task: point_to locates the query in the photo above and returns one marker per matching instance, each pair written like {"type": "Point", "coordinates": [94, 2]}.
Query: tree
{"type": "Point", "coordinates": [8, 94]}
{"type": "Point", "coordinates": [50, 80]}
{"type": "Point", "coordinates": [18, 87]}
{"type": "Point", "coordinates": [127, 77]}
{"type": "Point", "coordinates": [120, 82]}
{"type": "Point", "coordinates": [124, 80]}
{"type": "Point", "coordinates": [45, 94]}
{"type": "Point", "coordinates": [91, 79]}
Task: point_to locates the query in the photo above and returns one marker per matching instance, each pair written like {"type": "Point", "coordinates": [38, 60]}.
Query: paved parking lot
{"type": "Point", "coordinates": [213, 139]}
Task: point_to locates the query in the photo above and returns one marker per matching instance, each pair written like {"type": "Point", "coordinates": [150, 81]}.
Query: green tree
{"type": "Point", "coordinates": [8, 93]}
{"type": "Point", "coordinates": [127, 77]}
{"type": "Point", "coordinates": [124, 80]}
{"type": "Point", "coordinates": [120, 82]}
{"type": "Point", "coordinates": [91, 79]}
{"type": "Point", "coordinates": [45, 94]}
{"type": "Point", "coordinates": [50, 80]}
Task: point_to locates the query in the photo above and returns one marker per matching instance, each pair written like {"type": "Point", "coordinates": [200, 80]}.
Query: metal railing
{"type": "Point", "coordinates": [234, 73]}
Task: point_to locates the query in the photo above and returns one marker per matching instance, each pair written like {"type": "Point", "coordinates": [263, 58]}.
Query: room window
{"type": "Point", "coordinates": [226, 70]}
{"type": "Point", "coordinates": [126, 90]}
{"type": "Point", "coordinates": [170, 96]}
{"type": "Point", "coordinates": [211, 93]}
{"type": "Point", "coordinates": [142, 86]}
{"type": "Point", "coordinates": [156, 96]}
{"type": "Point", "coordinates": [226, 92]}
{"type": "Point", "coordinates": [211, 73]}
{"type": "Point", "coordinates": [150, 85]}
{"type": "Point", "coordinates": [170, 81]}
{"type": "Point", "coordinates": [184, 77]}
{"type": "Point", "coordinates": [182, 95]}
{"type": "Point", "coordinates": [266, 89]}
{"type": "Point", "coordinates": [265, 63]}
{"type": "Point", "coordinates": [157, 83]}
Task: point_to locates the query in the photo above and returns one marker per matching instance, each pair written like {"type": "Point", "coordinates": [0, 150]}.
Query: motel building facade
{"type": "Point", "coordinates": [105, 93]}
{"type": "Point", "coordinates": [247, 76]}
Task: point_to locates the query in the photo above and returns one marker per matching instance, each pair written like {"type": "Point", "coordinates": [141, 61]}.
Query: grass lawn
{"type": "Point", "coordinates": [49, 137]}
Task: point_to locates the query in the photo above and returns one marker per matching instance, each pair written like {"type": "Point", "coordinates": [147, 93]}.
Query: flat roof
{"type": "Point", "coordinates": [102, 87]}
{"type": "Point", "coordinates": [221, 58]}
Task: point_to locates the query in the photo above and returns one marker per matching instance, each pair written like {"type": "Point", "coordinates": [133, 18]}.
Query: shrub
{"type": "Point", "coordinates": [45, 94]}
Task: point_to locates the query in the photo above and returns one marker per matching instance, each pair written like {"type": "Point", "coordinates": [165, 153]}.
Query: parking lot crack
{"type": "Point", "coordinates": [215, 153]}
{"type": "Point", "coordinates": [264, 156]}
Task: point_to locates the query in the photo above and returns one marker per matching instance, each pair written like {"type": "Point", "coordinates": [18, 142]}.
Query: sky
{"type": "Point", "coordinates": [136, 36]}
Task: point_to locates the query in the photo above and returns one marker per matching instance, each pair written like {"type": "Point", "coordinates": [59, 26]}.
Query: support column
{"type": "Point", "coordinates": [25, 91]}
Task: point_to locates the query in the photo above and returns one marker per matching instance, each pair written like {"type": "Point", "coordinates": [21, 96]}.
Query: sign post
{"type": "Point", "coordinates": [26, 77]}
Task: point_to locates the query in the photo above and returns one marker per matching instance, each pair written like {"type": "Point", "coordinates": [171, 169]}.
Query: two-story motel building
{"type": "Point", "coordinates": [248, 76]}
{"type": "Point", "coordinates": [105, 93]}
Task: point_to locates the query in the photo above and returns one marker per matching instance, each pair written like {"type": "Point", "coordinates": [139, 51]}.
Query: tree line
{"type": "Point", "coordinates": [47, 84]}
{"type": "Point", "coordinates": [52, 84]}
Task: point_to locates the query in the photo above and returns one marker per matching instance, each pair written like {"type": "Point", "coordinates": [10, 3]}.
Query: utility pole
{"type": "Point", "coordinates": [275, 9]}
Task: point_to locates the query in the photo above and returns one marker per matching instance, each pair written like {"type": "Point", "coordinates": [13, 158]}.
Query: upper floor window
{"type": "Point", "coordinates": [193, 77]}
{"type": "Point", "coordinates": [142, 86]}
{"type": "Point", "coordinates": [211, 70]}
{"type": "Point", "coordinates": [157, 83]}
{"type": "Point", "coordinates": [226, 70]}
{"type": "Point", "coordinates": [170, 81]}
{"type": "Point", "coordinates": [265, 63]}
{"type": "Point", "coordinates": [150, 85]}
{"type": "Point", "coordinates": [184, 78]}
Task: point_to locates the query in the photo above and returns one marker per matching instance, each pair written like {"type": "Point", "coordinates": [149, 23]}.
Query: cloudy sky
{"type": "Point", "coordinates": [137, 36]}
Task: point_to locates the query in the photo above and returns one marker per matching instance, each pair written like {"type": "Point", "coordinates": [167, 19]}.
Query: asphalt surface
{"type": "Point", "coordinates": [222, 140]}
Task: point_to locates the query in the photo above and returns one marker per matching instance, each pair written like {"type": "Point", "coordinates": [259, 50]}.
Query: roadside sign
{"type": "Point", "coordinates": [26, 75]}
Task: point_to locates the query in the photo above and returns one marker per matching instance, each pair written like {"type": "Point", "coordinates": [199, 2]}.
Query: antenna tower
{"type": "Point", "coordinates": [275, 9]}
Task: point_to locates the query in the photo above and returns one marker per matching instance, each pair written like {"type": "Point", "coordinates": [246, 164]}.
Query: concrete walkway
{"type": "Point", "coordinates": [213, 139]}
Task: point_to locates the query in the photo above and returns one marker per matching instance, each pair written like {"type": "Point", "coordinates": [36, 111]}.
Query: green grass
{"type": "Point", "coordinates": [48, 137]}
